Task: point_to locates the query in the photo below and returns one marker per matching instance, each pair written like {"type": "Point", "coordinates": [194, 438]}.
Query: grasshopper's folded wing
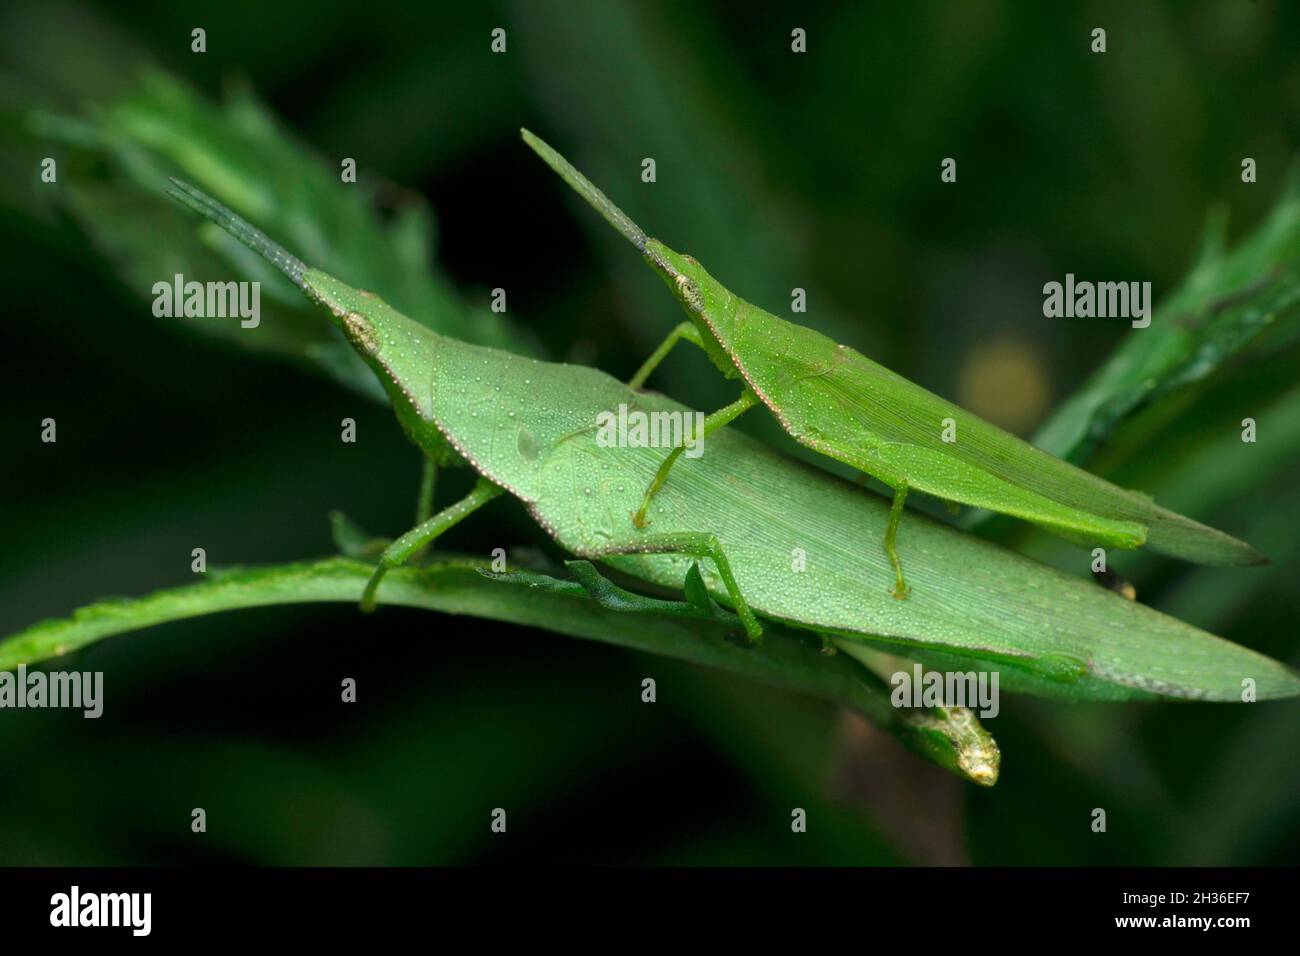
{"type": "Point", "coordinates": [857, 411]}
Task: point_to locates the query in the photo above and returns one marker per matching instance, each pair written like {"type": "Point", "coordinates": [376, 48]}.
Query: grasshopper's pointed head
{"type": "Point", "coordinates": [699, 293]}
{"type": "Point", "coordinates": [694, 288]}
{"type": "Point", "coordinates": [400, 351]}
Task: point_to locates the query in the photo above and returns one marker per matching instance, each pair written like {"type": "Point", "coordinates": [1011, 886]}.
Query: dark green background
{"type": "Point", "coordinates": [775, 170]}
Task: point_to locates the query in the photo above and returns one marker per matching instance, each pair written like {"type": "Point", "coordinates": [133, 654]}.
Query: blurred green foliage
{"type": "Point", "coordinates": [818, 171]}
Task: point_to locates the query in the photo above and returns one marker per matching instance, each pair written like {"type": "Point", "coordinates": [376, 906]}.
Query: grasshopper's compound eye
{"type": "Point", "coordinates": [690, 293]}
{"type": "Point", "coordinates": [361, 333]}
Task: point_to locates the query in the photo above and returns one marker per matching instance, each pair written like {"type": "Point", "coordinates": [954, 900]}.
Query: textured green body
{"type": "Point", "coordinates": [840, 403]}
{"type": "Point", "coordinates": [530, 427]}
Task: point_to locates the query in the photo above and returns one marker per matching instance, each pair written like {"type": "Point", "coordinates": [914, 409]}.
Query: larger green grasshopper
{"type": "Point", "coordinates": [768, 533]}
{"type": "Point", "coordinates": [845, 406]}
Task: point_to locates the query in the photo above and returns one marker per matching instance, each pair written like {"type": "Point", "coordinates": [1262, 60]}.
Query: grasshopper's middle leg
{"type": "Point", "coordinates": [428, 483]}
{"type": "Point", "coordinates": [901, 590]}
{"type": "Point", "coordinates": [424, 504]}
{"type": "Point", "coordinates": [712, 423]}
{"type": "Point", "coordinates": [422, 535]}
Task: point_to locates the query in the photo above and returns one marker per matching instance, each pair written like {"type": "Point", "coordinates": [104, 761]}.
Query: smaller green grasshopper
{"type": "Point", "coordinates": [845, 406]}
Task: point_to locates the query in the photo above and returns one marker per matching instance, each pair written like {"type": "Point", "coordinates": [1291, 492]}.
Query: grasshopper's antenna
{"type": "Point", "coordinates": [613, 215]}
{"type": "Point", "coordinates": [254, 238]}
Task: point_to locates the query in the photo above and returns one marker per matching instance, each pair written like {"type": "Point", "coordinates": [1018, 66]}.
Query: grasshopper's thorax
{"type": "Point", "coordinates": [706, 301]}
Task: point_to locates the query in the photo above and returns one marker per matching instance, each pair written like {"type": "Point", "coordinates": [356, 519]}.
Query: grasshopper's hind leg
{"type": "Point", "coordinates": [900, 590]}
{"type": "Point", "coordinates": [712, 423]}
{"type": "Point", "coordinates": [700, 544]}
{"type": "Point", "coordinates": [423, 534]}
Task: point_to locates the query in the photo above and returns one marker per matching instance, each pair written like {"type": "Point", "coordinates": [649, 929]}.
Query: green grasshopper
{"type": "Point", "coordinates": [845, 406]}
{"type": "Point", "coordinates": [772, 529]}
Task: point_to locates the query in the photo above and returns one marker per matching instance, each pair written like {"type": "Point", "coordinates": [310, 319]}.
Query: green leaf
{"type": "Point", "coordinates": [951, 738]}
{"type": "Point", "coordinates": [1225, 301]}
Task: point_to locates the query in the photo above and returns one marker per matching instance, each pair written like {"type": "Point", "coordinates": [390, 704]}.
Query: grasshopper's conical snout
{"type": "Point", "coordinates": [588, 190]}
{"type": "Point", "coordinates": [240, 228]}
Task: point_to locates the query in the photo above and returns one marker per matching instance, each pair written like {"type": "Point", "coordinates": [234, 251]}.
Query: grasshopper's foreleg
{"type": "Point", "coordinates": [702, 544]}
{"type": "Point", "coordinates": [901, 590]}
{"type": "Point", "coordinates": [685, 330]}
{"type": "Point", "coordinates": [712, 423]}
{"type": "Point", "coordinates": [423, 534]}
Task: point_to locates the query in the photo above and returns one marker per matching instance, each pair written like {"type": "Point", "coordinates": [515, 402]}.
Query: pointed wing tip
{"type": "Point", "coordinates": [1181, 537]}
{"type": "Point", "coordinates": [1241, 554]}
{"type": "Point", "coordinates": [1290, 691]}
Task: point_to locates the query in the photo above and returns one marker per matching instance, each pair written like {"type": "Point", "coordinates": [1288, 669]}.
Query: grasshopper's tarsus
{"type": "Point", "coordinates": [424, 534]}
{"type": "Point", "coordinates": [712, 423]}
{"type": "Point", "coordinates": [900, 589]}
